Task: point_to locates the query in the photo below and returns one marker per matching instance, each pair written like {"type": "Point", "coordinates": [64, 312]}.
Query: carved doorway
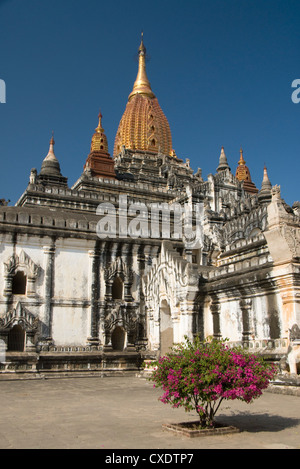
{"type": "Point", "coordinates": [118, 338]}
{"type": "Point", "coordinates": [166, 328]}
{"type": "Point", "coordinates": [16, 339]}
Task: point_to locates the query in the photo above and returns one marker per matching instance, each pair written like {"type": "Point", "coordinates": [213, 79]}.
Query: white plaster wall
{"type": "Point", "coordinates": [208, 321]}
{"type": "Point", "coordinates": [71, 274]}
{"type": "Point", "coordinates": [259, 308]}
{"type": "Point", "coordinates": [70, 325]}
{"type": "Point", "coordinates": [184, 325]}
{"type": "Point", "coordinates": [262, 306]}
{"type": "Point", "coordinates": [231, 321]}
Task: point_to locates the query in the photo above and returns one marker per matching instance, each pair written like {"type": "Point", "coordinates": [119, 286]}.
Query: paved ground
{"type": "Point", "coordinates": [124, 413]}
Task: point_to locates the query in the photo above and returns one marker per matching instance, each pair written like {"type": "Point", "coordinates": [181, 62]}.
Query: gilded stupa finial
{"type": "Point", "coordinates": [99, 128]}
{"type": "Point", "coordinates": [99, 140]}
{"type": "Point", "coordinates": [241, 161]}
{"type": "Point", "coordinates": [99, 163]}
{"type": "Point", "coordinates": [243, 174]}
{"type": "Point", "coordinates": [143, 125]}
{"type": "Point", "coordinates": [142, 84]}
{"type": "Point", "coordinates": [142, 47]}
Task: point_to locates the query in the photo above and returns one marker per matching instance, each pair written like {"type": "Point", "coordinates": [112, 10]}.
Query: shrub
{"type": "Point", "coordinates": [200, 375]}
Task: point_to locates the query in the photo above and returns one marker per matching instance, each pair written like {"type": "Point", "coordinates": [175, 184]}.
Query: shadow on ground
{"type": "Point", "coordinates": [260, 422]}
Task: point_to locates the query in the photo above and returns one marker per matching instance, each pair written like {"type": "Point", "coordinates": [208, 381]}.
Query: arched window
{"type": "Point", "coordinates": [19, 283]}
{"type": "Point", "coordinates": [118, 338]}
{"type": "Point", "coordinates": [16, 339]}
{"type": "Point", "coordinates": [117, 289]}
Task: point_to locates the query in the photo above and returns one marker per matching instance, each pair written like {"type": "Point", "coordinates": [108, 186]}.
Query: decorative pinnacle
{"type": "Point", "coordinates": [266, 184]}
{"type": "Point", "coordinates": [51, 155]}
{"type": "Point", "coordinates": [99, 140]}
{"type": "Point", "coordinates": [242, 161]}
{"type": "Point", "coordinates": [142, 48]}
{"type": "Point", "coordinates": [223, 164]}
{"type": "Point", "coordinates": [99, 127]}
{"type": "Point", "coordinates": [142, 84]}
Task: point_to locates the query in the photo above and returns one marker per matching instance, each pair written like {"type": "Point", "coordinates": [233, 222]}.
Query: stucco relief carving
{"type": "Point", "coordinates": [171, 277]}
{"type": "Point", "coordinates": [19, 316]}
{"type": "Point", "coordinates": [24, 263]}
{"type": "Point", "coordinates": [118, 315]}
{"type": "Point", "coordinates": [283, 234]}
{"type": "Point", "coordinates": [118, 268]}
{"type": "Point", "coordinates": [21, 261]}
{"type": "Point", "coordinates": [245, 224]}
{"type": "Point", "coordinates": [292, 236]}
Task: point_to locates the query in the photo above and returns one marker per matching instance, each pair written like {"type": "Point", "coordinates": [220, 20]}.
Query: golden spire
{"type": "Point", "coordinates": [242, 161]}
{"type": "Point", "coordinates": [99, 162]}
{"type": "Point", "coordinates": [142, 84]}
{"type": "Point", "coordinates": [143, 125]}
{"type": "Point", "coordinates": [99, 128]}
{"type": "Point", "coordinates": [99, 140]}
{"type": "Point", "coordinates": [243, 175]}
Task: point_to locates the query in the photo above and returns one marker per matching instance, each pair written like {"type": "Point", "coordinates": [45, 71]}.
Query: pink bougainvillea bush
{"type": "Point", "coordinates": [200, 375]}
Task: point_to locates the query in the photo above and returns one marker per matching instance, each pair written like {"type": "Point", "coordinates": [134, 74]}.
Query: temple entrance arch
{"type": "Point", "coordinates": [118, 338]}
{"type": "Point", "coordinates": [166, 328]}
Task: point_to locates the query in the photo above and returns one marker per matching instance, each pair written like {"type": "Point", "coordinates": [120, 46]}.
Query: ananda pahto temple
{"type": "Point", "coordinates": [94, 281]}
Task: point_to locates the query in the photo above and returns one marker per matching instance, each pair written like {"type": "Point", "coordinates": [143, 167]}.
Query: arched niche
{"type": "Point", "coordinates": [16, 339]}
{"type": "Point", "coordinates": [19, 283]}
{"type": "Point", "coordinates": [18, 329]}
{"type": "Point", "coordinates": [118, 338]}
{"type": "Point", "coordinates": [19, 272]}
{"type": "Point", "coordinates": [117, 289]}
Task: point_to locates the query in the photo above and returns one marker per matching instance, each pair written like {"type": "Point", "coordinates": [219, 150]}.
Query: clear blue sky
{"type": "Point", "coordinates": [221, 69]}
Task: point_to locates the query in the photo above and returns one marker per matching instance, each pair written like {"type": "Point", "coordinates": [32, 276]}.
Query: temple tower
{"type": "Point", "coordinates": [143, 126]}
{"type": "Point", "coordinates": [243, 174]}
{"type": "Point", "coordinates": [99, 161]}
